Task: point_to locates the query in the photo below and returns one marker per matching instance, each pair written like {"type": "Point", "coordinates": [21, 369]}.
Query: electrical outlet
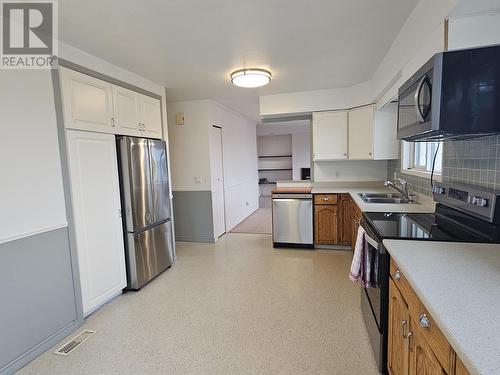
{"type": "Point", "coordinates": [198, 179]}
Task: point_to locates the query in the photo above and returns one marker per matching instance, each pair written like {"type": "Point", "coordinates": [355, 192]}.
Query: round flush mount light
{"type": "Point", "coordinates": [250, 77]}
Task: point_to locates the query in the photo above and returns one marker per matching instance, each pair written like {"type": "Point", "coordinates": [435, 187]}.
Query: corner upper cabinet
{"type": "Point", "coordinates": [329, 135]}
{"type": "Point", "coordinates": [87, 102]}
{"type": "Point", "coordinates": [361, 127]}
{"type": "Point", "coordinates": [150, 115]}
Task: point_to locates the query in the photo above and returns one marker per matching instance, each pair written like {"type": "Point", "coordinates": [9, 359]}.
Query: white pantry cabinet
{"type": "Point", "coordinates": [87, 102]}
{"type": "Point", "coordinates": [95, 105]}
{"type": "Point", "coordinates": [357, 134]}
{"type": "Point", "coordinates": [95, 196]}
{"type": "Point", "coordinates": [361, 124]}
{"type": "Point", "coordinates": [329, 135]}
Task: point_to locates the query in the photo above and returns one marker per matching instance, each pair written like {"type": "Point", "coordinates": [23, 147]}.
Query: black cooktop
{"type": "Point", "coordinates": [439, 226]}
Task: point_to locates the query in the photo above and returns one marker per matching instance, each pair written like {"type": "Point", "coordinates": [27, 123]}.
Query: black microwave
{"type": "Point", "coordinates": [455, 95]}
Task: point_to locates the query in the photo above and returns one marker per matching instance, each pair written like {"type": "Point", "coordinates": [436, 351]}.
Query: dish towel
{"type": "Point", "coordinates": [360, 266]}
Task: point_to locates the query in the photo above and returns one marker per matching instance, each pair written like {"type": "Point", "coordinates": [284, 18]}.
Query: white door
{"type": "Point", "coordinates": [330, 135]}
{"type": "Point", "coordinates": [97, 216]}
{"type": "Point", "coordinates": [150, 113]}
{"type": "Point", "coordinates": [361, 122]}
{"type": "Point", "coordinates": [87, 102]}
{"type": "Point", "coordinates": [126, 108]}
{"type": "Point", "coordinates": [217, 175]}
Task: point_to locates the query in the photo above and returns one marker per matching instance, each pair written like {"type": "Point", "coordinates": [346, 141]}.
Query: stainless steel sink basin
{"type": "Point", "coordinates": [387, 198]}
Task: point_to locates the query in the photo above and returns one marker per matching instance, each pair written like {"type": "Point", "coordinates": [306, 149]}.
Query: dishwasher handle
{"type": "Point", "coordinates": [292, 196]}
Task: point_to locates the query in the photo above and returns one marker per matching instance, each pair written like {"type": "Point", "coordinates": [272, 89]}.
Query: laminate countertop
{"type": "Point", "coordinates": [459, 283]}
{"type": "Point", "coordinates": [292, 190]}
{"type": "Point", "coordinates": [425, 205]}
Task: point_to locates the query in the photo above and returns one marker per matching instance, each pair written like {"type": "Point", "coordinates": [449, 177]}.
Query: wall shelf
{"type": "Point", "coordinates": [275, 169]}
{"type": "Point", "coordinates": [274, 156]}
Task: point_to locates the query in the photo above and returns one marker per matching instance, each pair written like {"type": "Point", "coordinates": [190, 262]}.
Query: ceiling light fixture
{"type": "Point", "coordinates": [250, 77]}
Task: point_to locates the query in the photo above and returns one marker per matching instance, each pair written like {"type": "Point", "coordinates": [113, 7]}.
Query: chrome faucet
{"type": "Point", "coordinates": [405, 192]}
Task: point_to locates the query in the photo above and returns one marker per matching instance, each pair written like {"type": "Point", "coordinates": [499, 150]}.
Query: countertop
{"type": "Point", "coordinates": [353, 188]}
{"type": "Point", "coordinates": [459, 284]}
{"type": "Point", "coordinates": [291, 190]}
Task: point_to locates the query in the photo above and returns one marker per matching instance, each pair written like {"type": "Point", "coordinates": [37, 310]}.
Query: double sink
{"type": "Point", "coordinates": [384, 198]}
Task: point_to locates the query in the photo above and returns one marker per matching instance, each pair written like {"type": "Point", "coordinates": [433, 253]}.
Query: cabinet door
{"type": "Point", "coordinates": [325, 224]}
{"type": "Point", "coordinates": [97, 216]}
{"type": "Point", "coordinates": [361, 122]}
{"type": "Point", "coordinates": [399, 320]}
{"type": "Point", "coordinates": [150, 113]}
{"type": "Point", "coordinates": [345, 225]}
{"type": "Point", "coordinates": [87, 102]}
{"type": "Point", "coordinates": [126, 108]}
{"type": "Point", "coordinates": [330, 135]}
{"type": "Point", "coordinates": [422, 359]}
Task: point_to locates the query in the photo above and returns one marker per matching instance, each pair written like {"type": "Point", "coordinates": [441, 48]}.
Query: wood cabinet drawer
{"type": "Point", "coordinates": [420, 315]}
{"type": "Point", "coordinates": [325, 199]}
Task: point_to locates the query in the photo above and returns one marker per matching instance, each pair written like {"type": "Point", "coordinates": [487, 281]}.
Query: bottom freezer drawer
{"type": "Point", "coordinates": [149, 253]}
{"type": "Point", "coordinates": [293, 221]}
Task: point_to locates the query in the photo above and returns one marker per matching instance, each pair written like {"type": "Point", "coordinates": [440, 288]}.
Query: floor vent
{"type": "Point", "coordinates": [67, 348]}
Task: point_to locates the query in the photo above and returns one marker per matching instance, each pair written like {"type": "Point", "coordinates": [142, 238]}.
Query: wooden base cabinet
{"type": "Point", "coordinates": [416, 345]}
{"type": "Point", "coordinates": [344, 221]}
{"type": "Point", "coordinates": [325, 224]}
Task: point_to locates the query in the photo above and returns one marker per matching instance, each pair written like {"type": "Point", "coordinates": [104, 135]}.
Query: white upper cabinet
{"type": "Point", "coordinates": [87, 102]}
{"type": "Point", "coordinates": [358, 134]}
{"type": "Point", "coordinates": [330, 135]}
{"type": "Point", "coordinates": [126, 111]}
{"type": "Point", "coordinates": [95, 105]}
{"type": "Point", "coordinates": [150, 115]}
{"type": "Point", "coordinates": [361, 123]}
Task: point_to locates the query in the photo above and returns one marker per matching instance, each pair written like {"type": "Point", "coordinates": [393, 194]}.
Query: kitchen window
{"type": "Point", "coordinates": [417, 158]}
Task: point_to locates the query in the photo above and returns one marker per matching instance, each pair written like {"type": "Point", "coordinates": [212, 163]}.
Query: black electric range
{"type": "Point", "coordinates": [463, 214]}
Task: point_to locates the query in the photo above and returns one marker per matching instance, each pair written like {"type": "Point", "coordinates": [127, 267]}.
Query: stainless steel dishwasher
{"type": "Point", "coordinates": [293, 220]}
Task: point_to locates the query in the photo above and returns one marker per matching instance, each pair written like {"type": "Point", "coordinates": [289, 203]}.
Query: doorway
{"type": "Point", "coordinates": [217, 177]}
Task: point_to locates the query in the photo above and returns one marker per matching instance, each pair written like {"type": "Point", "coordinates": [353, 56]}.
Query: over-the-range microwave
{"type": "Point", "coordinates": [455, 95]}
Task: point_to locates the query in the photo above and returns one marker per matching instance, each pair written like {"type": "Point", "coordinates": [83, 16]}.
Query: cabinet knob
{"type": "Point", "coordinates": [424, 321]}
{"type": "Point", "coordinates": [403, 324]}
{"type": "Point", "coordinates": [397, 275]}
{"type": "Point", "coordinates": [325, 199]}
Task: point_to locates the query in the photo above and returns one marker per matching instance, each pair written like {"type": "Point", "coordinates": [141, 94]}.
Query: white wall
{"type": "Point", "coordinates": [474, 30]}
{"type": "Point", "coordinates": [350, 170]}
{"type": "Point", "coordinates": [301, 153]}
{"type": "Point", "coordinates": [316, 100]}
{"type": "Point", "coordinates": [241, 191]}
{"type": "Point", "coordinates": [189, 146]}
{"type": "Point", "coordinates": [32, 197]}
{"type": "Point", "coordinates": [271, 145]}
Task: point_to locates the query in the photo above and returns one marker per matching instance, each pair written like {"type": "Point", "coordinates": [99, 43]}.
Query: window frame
{"type": "Point", "coordinates": [408, 165]}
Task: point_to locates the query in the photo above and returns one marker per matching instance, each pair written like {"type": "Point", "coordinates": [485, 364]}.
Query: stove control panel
{"type": "Point", "coordinates": [478, 202]}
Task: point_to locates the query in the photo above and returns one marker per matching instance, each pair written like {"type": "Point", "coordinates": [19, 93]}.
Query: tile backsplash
{"type": "Point", "coordinates": [473, 162]}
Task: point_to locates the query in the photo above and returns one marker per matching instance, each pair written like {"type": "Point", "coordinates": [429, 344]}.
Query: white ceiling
{"type": "Point", "coordinates": [191, 46]}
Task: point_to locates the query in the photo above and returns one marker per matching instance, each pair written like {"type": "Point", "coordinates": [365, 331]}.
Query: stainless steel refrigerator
{"type": "Point", "coordinates": [147, 220]}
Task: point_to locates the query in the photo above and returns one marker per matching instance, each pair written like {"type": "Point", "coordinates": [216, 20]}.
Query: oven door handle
{"type": "Point", "coordinates": [371, 241]}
